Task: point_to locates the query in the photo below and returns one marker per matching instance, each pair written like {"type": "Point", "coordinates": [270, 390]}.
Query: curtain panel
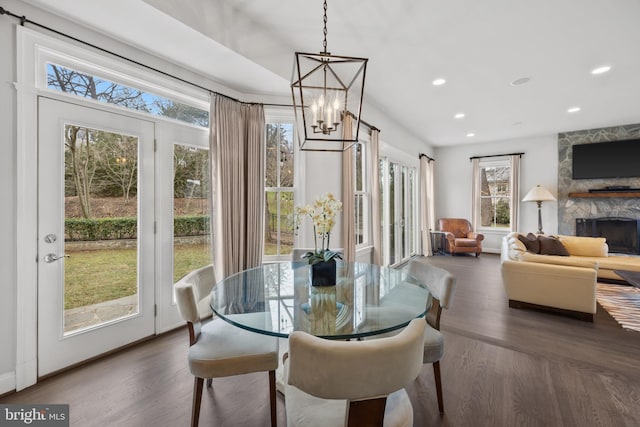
{"type": "Point", "coordinates": [237, 141]}
{"type": "Point", "coordinates": [427, 208]}
{"type": "Point", "coordinates": [475, 194]}
{"type": "Point", "coordinates": [374, 167]}
{"type": "Point", "coordinates": [348, 194]}
{"type": "Point", "coordinates": [514, 185]}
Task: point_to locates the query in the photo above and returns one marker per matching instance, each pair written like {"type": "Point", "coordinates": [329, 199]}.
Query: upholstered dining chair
{"type": "Point", "coordinates": [441, 285]}
{"type": "Point", "coordinates": [217, 348]}
{"type": "Point", "coordinates": [460, 237]}
{"type": "Point", "coordinates": [352, 383]}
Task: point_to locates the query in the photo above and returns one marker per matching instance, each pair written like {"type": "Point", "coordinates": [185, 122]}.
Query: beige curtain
{"type": "Point", "coordinates": [515, 191]}
{"type": "Point", "coordinates": [374, 167]}
{"type": "Point", "coordinates": [237, 141]}
{"type": "Point", "coordinates": [427, 206]}
{"type": "Point", "coordinates": [348, 195]}
{"type": "Point", "coordinates": [475, 194]}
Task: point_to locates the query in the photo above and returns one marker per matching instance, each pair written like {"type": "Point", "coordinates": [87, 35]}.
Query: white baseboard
{"type": "Point", "coordinates": [7, 382]}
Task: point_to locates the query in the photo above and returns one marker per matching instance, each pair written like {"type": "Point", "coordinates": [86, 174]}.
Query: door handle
{"type": "Point", "coordinates": [49, 258]}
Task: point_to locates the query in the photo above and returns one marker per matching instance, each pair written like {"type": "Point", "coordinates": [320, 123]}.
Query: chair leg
{"type": "Point", "coordinates": [436, 375]}
{"type": "Point", "coordinates": [272, 398]}
{"type": "Point", "coordinates": [197, 399]}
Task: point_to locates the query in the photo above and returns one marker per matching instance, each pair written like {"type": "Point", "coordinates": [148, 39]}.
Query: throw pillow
{"type": "Point", "coordinates": [531, 242]}
{"type": "Point", "coordinates": [551, 246]}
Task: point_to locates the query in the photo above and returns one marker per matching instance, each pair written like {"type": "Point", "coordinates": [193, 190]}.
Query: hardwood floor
{"type": "Point", "coordinates": [502, 367]}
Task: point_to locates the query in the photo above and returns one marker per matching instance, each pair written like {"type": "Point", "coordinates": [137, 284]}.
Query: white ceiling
{"type": "Point", "coordinates": [479, 47]}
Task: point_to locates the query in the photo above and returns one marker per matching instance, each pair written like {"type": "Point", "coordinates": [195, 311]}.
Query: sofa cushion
{"type": "Point", "coordinates": [551, 246]}
{"type": "Point", "coordinates": [466, 243]}
{"type": "Point", "coordinates": [585, 246]}
{"type": "Point", "coordinates": [561, 260]}
{"type": "Point", "coordinates": [531, 242]}
{"type": "Point", "coordinates": [514, 246]}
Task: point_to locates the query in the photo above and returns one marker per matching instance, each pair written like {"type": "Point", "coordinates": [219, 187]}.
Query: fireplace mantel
{"type": "Point", "coordinates": [606, 194]}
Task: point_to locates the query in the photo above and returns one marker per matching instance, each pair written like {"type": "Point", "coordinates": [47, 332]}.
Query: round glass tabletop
{"type": "Point", "coordinates": [276, 299]}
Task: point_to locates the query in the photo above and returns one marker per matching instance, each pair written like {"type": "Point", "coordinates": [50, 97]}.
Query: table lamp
{"type": "Point", "coordinates": [539, 194]}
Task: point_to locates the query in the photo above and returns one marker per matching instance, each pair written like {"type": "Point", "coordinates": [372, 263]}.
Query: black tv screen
{"type": "Point", "coordinates": [616, 159]}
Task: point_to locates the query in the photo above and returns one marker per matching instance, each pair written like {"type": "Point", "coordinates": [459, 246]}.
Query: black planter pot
{"type": "Point", "coordinates": [323, 273]}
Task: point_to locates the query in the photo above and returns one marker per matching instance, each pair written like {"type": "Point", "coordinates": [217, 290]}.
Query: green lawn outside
{"type": "Point", "coordinates": [103, 275]}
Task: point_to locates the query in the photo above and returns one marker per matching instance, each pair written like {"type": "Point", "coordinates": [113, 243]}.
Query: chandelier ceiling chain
{"type": "Point", "coordinates": [324, 31]}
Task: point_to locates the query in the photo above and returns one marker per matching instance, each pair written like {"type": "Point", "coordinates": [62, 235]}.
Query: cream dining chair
{"type": "Point", "coordinates": [441, 285]}
{"type": "Point", "coordinates": [217, 348]}
{"type": "Point", "coordinates": [352, 383]}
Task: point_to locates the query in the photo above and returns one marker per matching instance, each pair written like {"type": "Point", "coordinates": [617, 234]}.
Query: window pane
{"type": "Point", "coordinates": [359, 223]}
{"type": "Point", "coordinates": [494, 196]}
{"type": "Point", "coordinates": [359, 168]}
{"type": "Point", "coordinates": [191, 216]}
{"type": "Point", "coordinates": [285, 222]}
{"type": "Point", "coordinates": [286, 155]}
{"type": "Point", "coordinates": [495, 212]}
{"type": "Point", "coordinates": [92, 87]}
{"type": "Point", "coordinates": [271, 169]}
{"type": "Point", "coordinates": [278, 223]}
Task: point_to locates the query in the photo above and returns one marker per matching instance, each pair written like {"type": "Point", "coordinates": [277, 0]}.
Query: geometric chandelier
{"type": "Point", "coordinates": [325, 89]}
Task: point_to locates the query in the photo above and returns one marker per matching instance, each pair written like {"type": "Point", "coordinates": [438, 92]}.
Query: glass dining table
{"type": "Point", "coordinates": [367, 300]}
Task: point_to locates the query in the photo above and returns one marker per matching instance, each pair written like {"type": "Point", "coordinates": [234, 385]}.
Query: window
{"type": "Point", "coordinates": [495, 194]}
{"type": "Point", "coordinates": [362, 197]}
{"type": "Point", "coordinates": [398, 186]}
{"type": "Point", "coordinates": [279, 191]}
{"type": "Point", "coordinates": [89, 86]}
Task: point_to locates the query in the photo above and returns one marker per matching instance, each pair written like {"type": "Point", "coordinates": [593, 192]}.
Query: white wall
{"type": "Point", "coordinates": [8, 197]}
{"type": "Point", "coordinates": [539, 165]}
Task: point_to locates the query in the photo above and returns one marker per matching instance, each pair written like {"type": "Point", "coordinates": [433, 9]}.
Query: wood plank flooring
{"type": "Point", "coordinates": [502, 367]}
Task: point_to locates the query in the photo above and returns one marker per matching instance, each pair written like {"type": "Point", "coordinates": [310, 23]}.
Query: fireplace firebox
{"type": "Point", "coordinates": [622, 234]}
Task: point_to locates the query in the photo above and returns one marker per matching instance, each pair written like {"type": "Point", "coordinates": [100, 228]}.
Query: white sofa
{"type": "Point", "coordinates": [565, 284]}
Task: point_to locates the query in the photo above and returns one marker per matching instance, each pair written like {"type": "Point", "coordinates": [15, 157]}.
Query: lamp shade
{"type": "Point", "coordinates": [538, 194]}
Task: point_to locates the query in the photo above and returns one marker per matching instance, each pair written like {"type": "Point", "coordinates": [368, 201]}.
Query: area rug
{"type": "Point", "coordinates": [622, 303]}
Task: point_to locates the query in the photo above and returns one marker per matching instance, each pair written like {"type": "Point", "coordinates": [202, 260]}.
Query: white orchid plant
{"type": "Point", "coordinates": [323, 213]}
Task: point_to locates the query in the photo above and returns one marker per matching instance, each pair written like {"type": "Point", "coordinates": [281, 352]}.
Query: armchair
{"type": "Point", "coordinates": [460, 237]}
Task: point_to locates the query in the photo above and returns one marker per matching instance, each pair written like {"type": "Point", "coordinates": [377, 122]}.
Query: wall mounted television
{"type": "Point", "coordinates": [616, 159]}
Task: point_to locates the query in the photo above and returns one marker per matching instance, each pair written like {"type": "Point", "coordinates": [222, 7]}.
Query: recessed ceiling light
{"type": "Point", "coordinates": [601, 70]}
{"type": "Point", "coordinates": [573, 110]}
{"type": "Point", "coordinates": [438, 82]}
{"type": "Point", "coordinates": [459, 116]}
{"type": "Point", "coordinates": [520, 81]}
{"type": "Point", "coordinates": [470, 134]}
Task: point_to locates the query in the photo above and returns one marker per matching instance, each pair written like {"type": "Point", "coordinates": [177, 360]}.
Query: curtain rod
{"type": "Point", "coordinates": [428, 158]}
{"type": "Point", "coordinates": [23, 19]}
{"type": "Point", "coordinates": [496, 155]}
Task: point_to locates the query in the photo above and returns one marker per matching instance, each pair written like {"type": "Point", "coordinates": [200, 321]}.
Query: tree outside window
{"type": "Point", "coordinates": [495, 193]}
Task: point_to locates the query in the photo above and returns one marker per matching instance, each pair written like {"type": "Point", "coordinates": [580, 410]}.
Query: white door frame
{"type": "Point", "coordinates": [32, 48]}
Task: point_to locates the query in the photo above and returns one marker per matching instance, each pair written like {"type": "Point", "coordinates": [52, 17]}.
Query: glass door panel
{"type": "Point", "coordinates": [191, 210]}
{"type": "Point", "coordinates": [101, 223]}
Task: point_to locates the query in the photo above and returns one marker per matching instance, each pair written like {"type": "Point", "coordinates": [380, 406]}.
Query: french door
{"type": "Point", "coordinates": [95, 232]}
{"type": "Point", "coordinates": [399, 207]}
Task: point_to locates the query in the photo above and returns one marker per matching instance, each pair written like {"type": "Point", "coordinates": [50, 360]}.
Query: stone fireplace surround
{"type": "Point", "coordinates": [572, 208]}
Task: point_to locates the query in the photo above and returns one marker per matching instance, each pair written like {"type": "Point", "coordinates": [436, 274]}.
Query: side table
{"type": "Point", "coordinates": [437, 242]}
